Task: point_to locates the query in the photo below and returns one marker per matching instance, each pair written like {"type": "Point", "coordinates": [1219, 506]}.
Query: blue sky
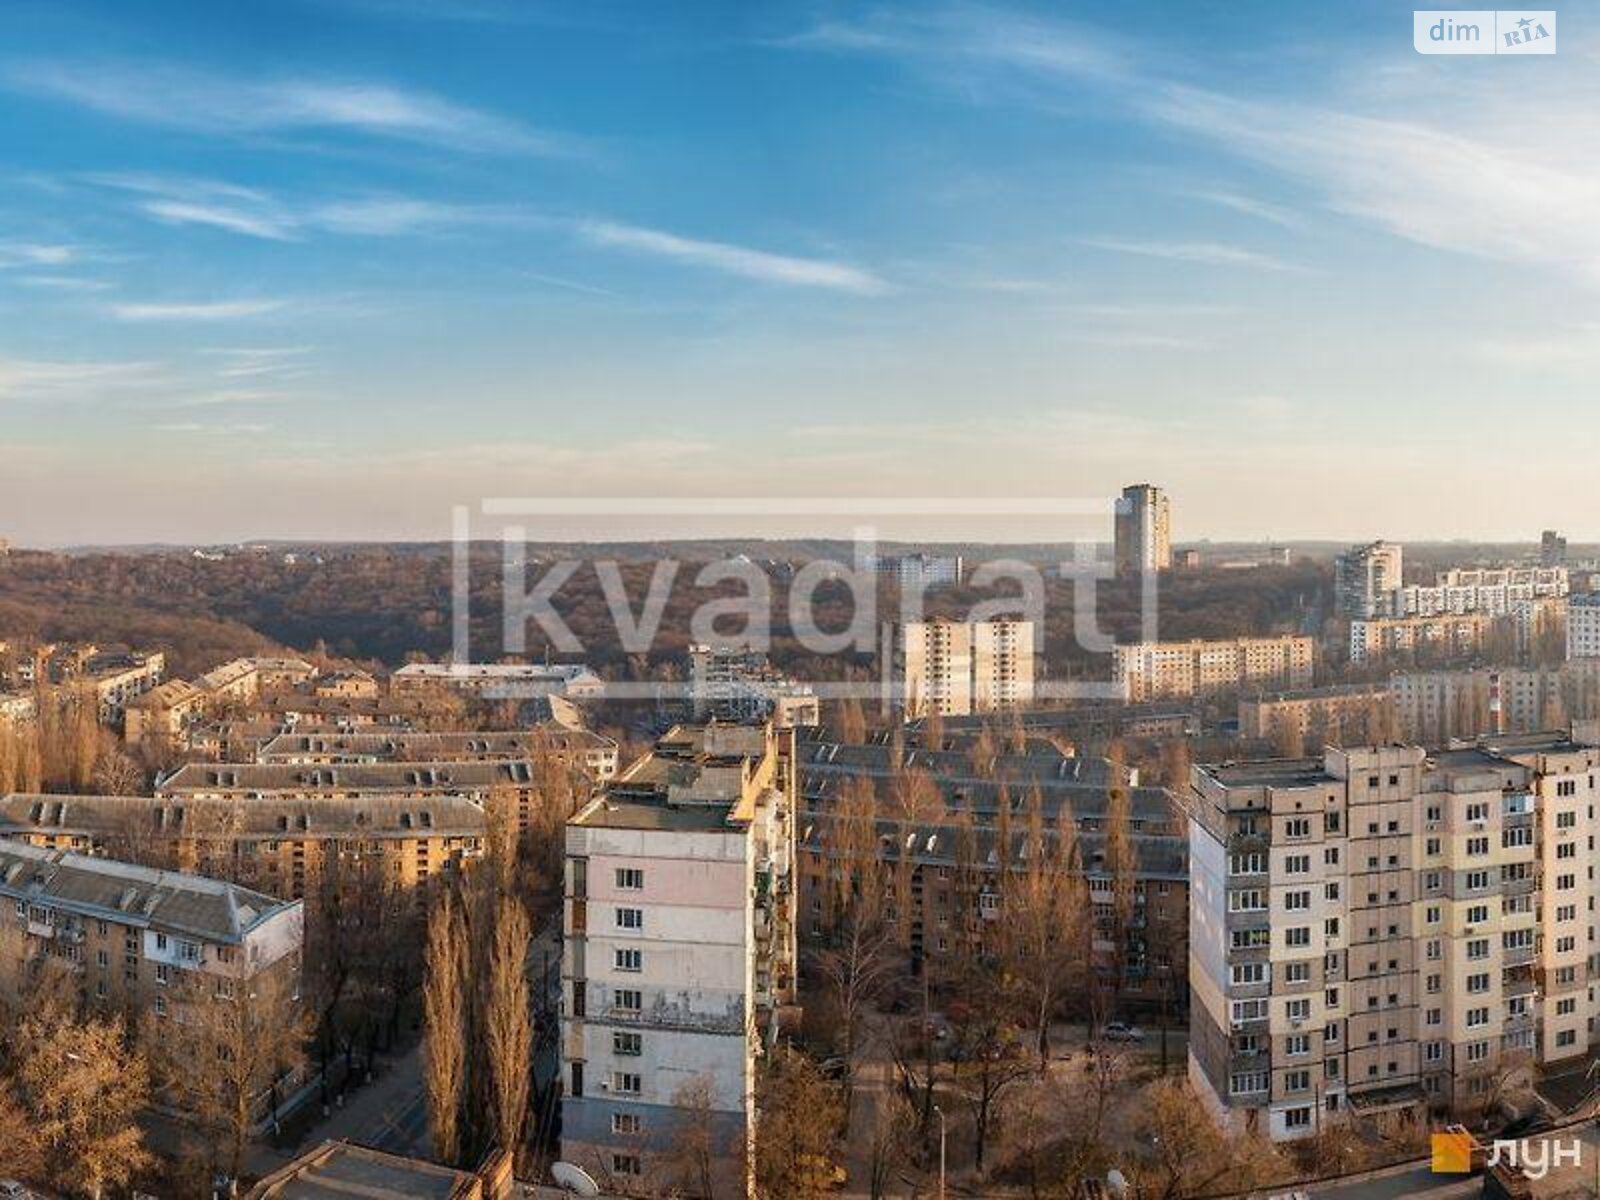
{"type": "Point", "coordinates": [328, 268]}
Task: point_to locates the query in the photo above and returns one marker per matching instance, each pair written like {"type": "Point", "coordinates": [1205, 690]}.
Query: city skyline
{"type": "Point", "coordinates": [333, 287]}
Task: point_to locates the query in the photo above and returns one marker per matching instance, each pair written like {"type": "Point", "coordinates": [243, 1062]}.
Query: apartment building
{"type": "Point", "coordinates": [920, 572]}
{"type": "Point", "coordinates": [279, 846]}
{"type": "Point", "coordinates": [1094, 722]}
{"type": "Point", "coordinates": [956, 668]}
{"type": "Point", "coordinates": [1388, 930]}
{"type": "Point", "coordinates": [1365, 577]}
{"type": "Point", "coordinates": [735, 684]}
{"type": "Point", "coordinates": [1491, 590]}
{"type": "Point", "coordinates": [1157, 670]}
{"type": "Point", "coordinates": [132, 934]}
{"type": "Point", "coordinates": [350, 685]}
{"type": "Point", "coordinates": [1142, 529]}
{"type": "Point", "coordinates": [1447, 634]}
{"type": "Point", "coordinates": [680, 947]}
{"type": "Point", "coordinates": [1583, 626]}
{"type": "Point", "coordinates": [498, 681]}
{"type": "Point", "coordinates": [114, 679]}
{"type": "Point", "coordinates": [247, 678]}
{"type": "Point", "coordinates": [942, 870]}
{"type": "Point", "coordinates": [1354, 712]}
{"type": "Point", "coordinates": [517, 780]}
{"type": "Point", "coordinates": [163, 715]}
{"type": "Point", "coordinates": [592, 753]}
{"type": "Point", "coordinates": [338, 1168]}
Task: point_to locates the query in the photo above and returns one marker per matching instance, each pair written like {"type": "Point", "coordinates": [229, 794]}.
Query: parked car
{"type": "Point", "coordinates": [1116, 1031]}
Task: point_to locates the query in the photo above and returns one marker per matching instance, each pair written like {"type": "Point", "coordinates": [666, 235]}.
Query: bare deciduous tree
{"type": "Point", "coordinates": [508, 1025]}
{"type": "Point", "coordinates": [444, 1003]}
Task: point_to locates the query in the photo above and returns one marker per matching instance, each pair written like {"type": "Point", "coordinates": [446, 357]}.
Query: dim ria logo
{"type": "Point", "coordinates": [1484, 31]}
{"type": "Point", "coordinates": [1457, 1152]}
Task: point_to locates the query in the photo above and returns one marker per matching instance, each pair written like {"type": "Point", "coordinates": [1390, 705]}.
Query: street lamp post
{"type": "Point", "coordinates": [940, 1111]}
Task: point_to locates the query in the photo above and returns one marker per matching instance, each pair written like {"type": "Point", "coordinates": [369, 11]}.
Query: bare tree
{"type": "Point", "coordinates": [690, 1161]}
{"type": "Point", "coordinates": [1190, 1155]}
{"type": "Point", "coordinates": [855, 967]}
{"type": "Point", "coordinates": [797, 1116]}
{"type": "Point", "coordinates": [1045, 909]}
{"type": "Point", "coordinates": [226, 1045]}
{"type": "Point", "coordinates": [444, 1004]}
{"type": "Point", "coordinates": [1122, 861]}
{"type": "Point", "coordinates": [83, 1088]}
{"type": "Point", "coordinates": [508, 1025]}
{"type": "Point", "coordinates": [893, 1130]}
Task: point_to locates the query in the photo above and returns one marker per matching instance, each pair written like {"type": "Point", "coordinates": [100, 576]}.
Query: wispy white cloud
{"type": "Point", "coordinates": [1250, 206]}
{"type": "Point", "coordinates": [64, 283]}
{"type": "Point", "coordinates": [734, 260]}
{"type": "Point", "coordinates": [40, 379]}
{"type": "Point", "coordinates": [1210, 254]}
{"type": "Point", "coordinates": [180, 98]}
{"type": "Point", "coordinates": [1507, 188]}
{"type": "Point", "coordinates": [37, 254]}
{"type": "Point", "coordinates": [200, 310]}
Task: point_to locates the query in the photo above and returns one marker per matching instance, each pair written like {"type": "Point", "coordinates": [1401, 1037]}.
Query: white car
{"type": "Point", "coordinates": [1116, 1031]}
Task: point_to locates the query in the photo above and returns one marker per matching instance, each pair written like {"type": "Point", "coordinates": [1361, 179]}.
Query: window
{"type": "Point", "coordinates": [1477, 880]}
{"type": "Point", "coordinates": [1296, 901]}
{"type": "Point", "coordinates": [1477, 1051]}
{"type": "Point", "coordinates": [1297, 1118]}
{"type": "Point", "coordinates": [626, 1083]}
{"type": "Point", "coordinates": [1567, 850]}
{"type": "Point", "coordinates": [1297, 864]}
{"type": "Point", "coordinates": [1566, 1006]}
{"type": "Point", "coordinates": [626, 1164]}
{"type": "Point", "coordinates": [1297, 972]}
{"type": "Point", "coordinates": [1296, 1044]}
{"type": "Point", "coordinates": [1297, 1081]}
{"type": "Point", "coordinates": [1297, 935]}
{"type": "Point", "coordinates": [1434, 1016]}
{"type": "Point", "coordinates": [1477, 846]}
{"type": "Point", "coordinates": [1248, 974]}
{"type": "Point", "coordinates": [1477, 811]}
{"type": "Point", "coordinates": [1251, 939]}
{"type": "Point", "coordinates": [1244, 1083]}
{"type": "Point", "coordinates": [161, 941]}
{"type": "Point", "coordinates": [1477, 984]}
{"type": "Point", "coordinates": [1477, 948]}
{"type": "Point", "coordinates": [1566, 820]}
{"type": "Point", "coordinates": [1433, 914]}
{"type": "Point", "coordinates": [1297, 828]}
{"type": "Point", "coordinates": [161, 1006]}
{"type": "Point", "coordinates": [1249, 1010]}
{"type": "Point", "coordinates": [1298, 1010]}
{"type": "Point", "coordinates": [625, 1123]}
{"type": "Point", "coordinates": [1247, 900]}
{"type": "Point", "coordinates": [1566, 1037]}
{"type": "Point", "coordinates": [1477, 1017]}
{"type": "Point", "coordinates": [163, 974]}
{"type": "Point", "coordinates": [629, 1045]}
{"type": "Point", "coordinates": [630, 918]}
{"type": "Point", "coordinates": [577, 1079]}
{"type": "Point", "coordinates": [630, 879]}
{"type": "Point", "coordinates": [627, 999]}
{"type": "Point", "coordinates": [1433, 1052]}
{"type": "Point", "coordinates": [1254, 863]}
{"type": "Point", "coordinates": [1477, 914]}
{"type": "Point", "coordinates": [630, 960]}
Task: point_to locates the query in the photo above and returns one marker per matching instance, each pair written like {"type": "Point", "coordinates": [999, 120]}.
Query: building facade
{"type": "Point", "coordinates": [957, 668]}
{"type": "Point", "coordinates": [1158, 670]}
{"type": "Point", "coordinates": [734, 684]}
{"type": "Point", "coordinates": [1583, 626]}
{"type": "Point", "coordinates": [1142, 530]}
{"type": "Point", "coordinates": [1387, 930]}
{"type": "Point", "coordinates": [679, 950]}
{"type": "Point", "coordinates": [132, 935]}
{"type": "Point", "coordinates": [1449, 634]}
{"type": "Point", "coordinates": [1350, 710]}
{"type": "Point", "coordinates": [1365, 577]}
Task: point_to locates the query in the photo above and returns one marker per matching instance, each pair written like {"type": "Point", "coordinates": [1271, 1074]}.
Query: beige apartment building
{"type": "Point", "coordinates": [246, 678]}
{"type": "Point", "coordinates": [1448, 633]}
{"type": "Point", "coordinates": [132, 934]}
{"type": "Point", "coordinates": [279, 846]}
{"type": "Point", "coordinates": [518, 780]}
{"type": "Point", "coordinates": [1142, 529]}
{"type": "Point", "coordinates": [1157, 670]}
{"type": "Point", "coordinates": [592, 753]}
{"type": "Point", "coordinates": [957, 668]}
{"type": "Point", "coordinates": [1354, 712]}
{"type": "Point", "coordinates": [163, 714]}
{"type": "Point", "coordinates": [114, 680]}
{"type": "Point", "coordinates": [1388, 930]}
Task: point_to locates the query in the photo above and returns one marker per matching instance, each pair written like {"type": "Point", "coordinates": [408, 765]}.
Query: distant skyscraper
{"type": "Point", "coordinates": [1363, 578]}
{"type": "Point", "coordinates": [1552, 548]}
{"type": "Point", "coordinates": [1143, 529]}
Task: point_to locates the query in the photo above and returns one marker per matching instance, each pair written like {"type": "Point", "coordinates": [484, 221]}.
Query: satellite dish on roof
{"type": "Point", "coordinates": [570, 1177]}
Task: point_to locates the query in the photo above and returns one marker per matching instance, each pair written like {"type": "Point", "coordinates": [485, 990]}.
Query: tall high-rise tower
{"type": "Point", "coordinates": [1143, 529]}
